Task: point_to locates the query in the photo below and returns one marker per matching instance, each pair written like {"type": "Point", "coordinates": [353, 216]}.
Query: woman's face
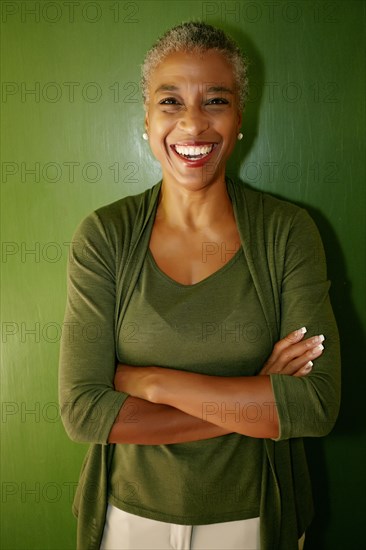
{"type": "Point", "coordinates": [193, 117]}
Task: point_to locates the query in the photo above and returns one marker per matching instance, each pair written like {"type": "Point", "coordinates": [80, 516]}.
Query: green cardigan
{"type": "Point", "coordinates": [286, 260]}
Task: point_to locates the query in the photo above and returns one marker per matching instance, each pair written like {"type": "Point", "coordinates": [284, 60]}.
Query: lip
{"type": "Point", "coordinates": [194, 163]}
{"type": "Point", "coordinates": [192, 143]}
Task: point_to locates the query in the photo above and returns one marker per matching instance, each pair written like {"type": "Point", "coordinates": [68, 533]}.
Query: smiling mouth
{"type": "Point", "coordinates": [195, 152]}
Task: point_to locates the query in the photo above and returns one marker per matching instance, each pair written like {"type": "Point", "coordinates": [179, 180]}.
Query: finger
{"type": "Point", "coordinates": [303, 361]}
{"type": "Point", "coordinates": [286, 342]}
{"type": "Point", "coordinates": [294, 358]}
{"type": "Point", "coordinates": [310, 348]}
{"type": "Point", "coordinates": [306, 369]}
{"type": "Point", "coordinates": [280, 360]}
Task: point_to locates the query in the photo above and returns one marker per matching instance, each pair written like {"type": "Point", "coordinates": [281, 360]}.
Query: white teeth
{"type": "Point", "coordinates": [193, 151]}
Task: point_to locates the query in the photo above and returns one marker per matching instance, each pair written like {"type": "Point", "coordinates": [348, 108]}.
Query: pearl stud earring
{"type": "Point", "coordinates": [240, 136]}
{"type": "Point", "coordinates": [145, 136]}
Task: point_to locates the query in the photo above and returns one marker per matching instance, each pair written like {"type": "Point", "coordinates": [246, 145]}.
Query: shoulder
{"type": "Point", "coordinates": [119, 218]}
{"type": "Point", "coordinates": [271, 206]}
{"type": "Point", "coordinates": [125, 211]}
{"type": "Point", "coordinates": [266, 210]}
{"type": "Point", "coordinates": [281, 217]}
{"type": "Point", "coordinates": [270, 223]}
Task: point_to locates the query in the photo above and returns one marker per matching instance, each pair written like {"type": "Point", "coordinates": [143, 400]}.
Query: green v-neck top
{"type": "Point", "coordinates": [214, 327]}
{"type": "Point", "coordinates": [285, 257]}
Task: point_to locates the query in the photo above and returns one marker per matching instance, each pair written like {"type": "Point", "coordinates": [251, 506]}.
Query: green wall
{"type": "Point", "coordinates": [74, 143]}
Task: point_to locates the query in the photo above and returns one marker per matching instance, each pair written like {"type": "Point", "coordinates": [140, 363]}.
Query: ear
{"type": "Point", "coordinates": [146, 121]}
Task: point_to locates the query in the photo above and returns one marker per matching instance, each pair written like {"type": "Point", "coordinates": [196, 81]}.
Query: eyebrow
{"type": "Point", "coordinates": [172, 88]}
{"type": "Point", "coordinates": [219, 89]}
{"type": "Point", "coordinates": [166, 88]}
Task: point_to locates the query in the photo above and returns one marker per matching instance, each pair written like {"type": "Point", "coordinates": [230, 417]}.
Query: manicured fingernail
{"type": "Point", "coordinates": [302, 330]}
{"type": "Point", "coordinates": [318, 348]}
{"type": "Point", "coordinates": [308, 366]}
{"type": "Point", "coordinates": [316, 340]}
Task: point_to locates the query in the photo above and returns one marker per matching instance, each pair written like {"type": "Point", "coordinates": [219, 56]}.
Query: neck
{"type": "Point", "coordinates": [194, 210]}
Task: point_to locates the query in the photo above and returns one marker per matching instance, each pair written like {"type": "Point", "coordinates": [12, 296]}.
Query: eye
{"type": "Point", "coordinates": [217, 101]}
{"type": "Point", "coordinates": [169, 101]}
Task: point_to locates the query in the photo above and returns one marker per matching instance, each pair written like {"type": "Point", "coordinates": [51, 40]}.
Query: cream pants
{"type": "Point", "coordinates": [124, 531]}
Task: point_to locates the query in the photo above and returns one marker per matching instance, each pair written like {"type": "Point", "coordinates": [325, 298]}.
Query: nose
{"type": "Point", "coordinates": [193, 121]}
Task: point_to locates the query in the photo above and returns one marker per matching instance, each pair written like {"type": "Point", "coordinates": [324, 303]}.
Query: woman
{"type": "Point", "coordinates": [187, 369]}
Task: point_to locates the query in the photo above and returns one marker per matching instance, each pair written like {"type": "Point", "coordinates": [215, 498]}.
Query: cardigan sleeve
{"type": "Point", "coordinates": [308, 405]}
{"type": "Point", "coordinates": [89, 404]}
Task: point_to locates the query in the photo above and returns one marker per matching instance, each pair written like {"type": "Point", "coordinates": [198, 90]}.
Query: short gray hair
{"type": "Point", "coordinates": [196, 36]}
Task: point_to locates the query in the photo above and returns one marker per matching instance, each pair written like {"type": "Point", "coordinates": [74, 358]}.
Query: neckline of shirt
{"type": "Point", "coordinates": [213, 275]}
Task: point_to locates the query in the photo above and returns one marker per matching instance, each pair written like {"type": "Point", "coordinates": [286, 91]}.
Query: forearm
{"type": "Point", "coordinates": [244, 405]}
{"type": "Point", "coordinates": [239, 404]}
{"type": "Point", "coordinates": [145, 423]}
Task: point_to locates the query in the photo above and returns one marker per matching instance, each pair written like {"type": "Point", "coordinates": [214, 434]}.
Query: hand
{"type": "Point", "coordinates": [293, 356]}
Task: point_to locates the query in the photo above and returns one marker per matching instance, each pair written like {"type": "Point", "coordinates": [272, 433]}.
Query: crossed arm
{"type": "Point", "coordinates": [151, 405]}
{"type": "Point", "coordinates": [170, 406]}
